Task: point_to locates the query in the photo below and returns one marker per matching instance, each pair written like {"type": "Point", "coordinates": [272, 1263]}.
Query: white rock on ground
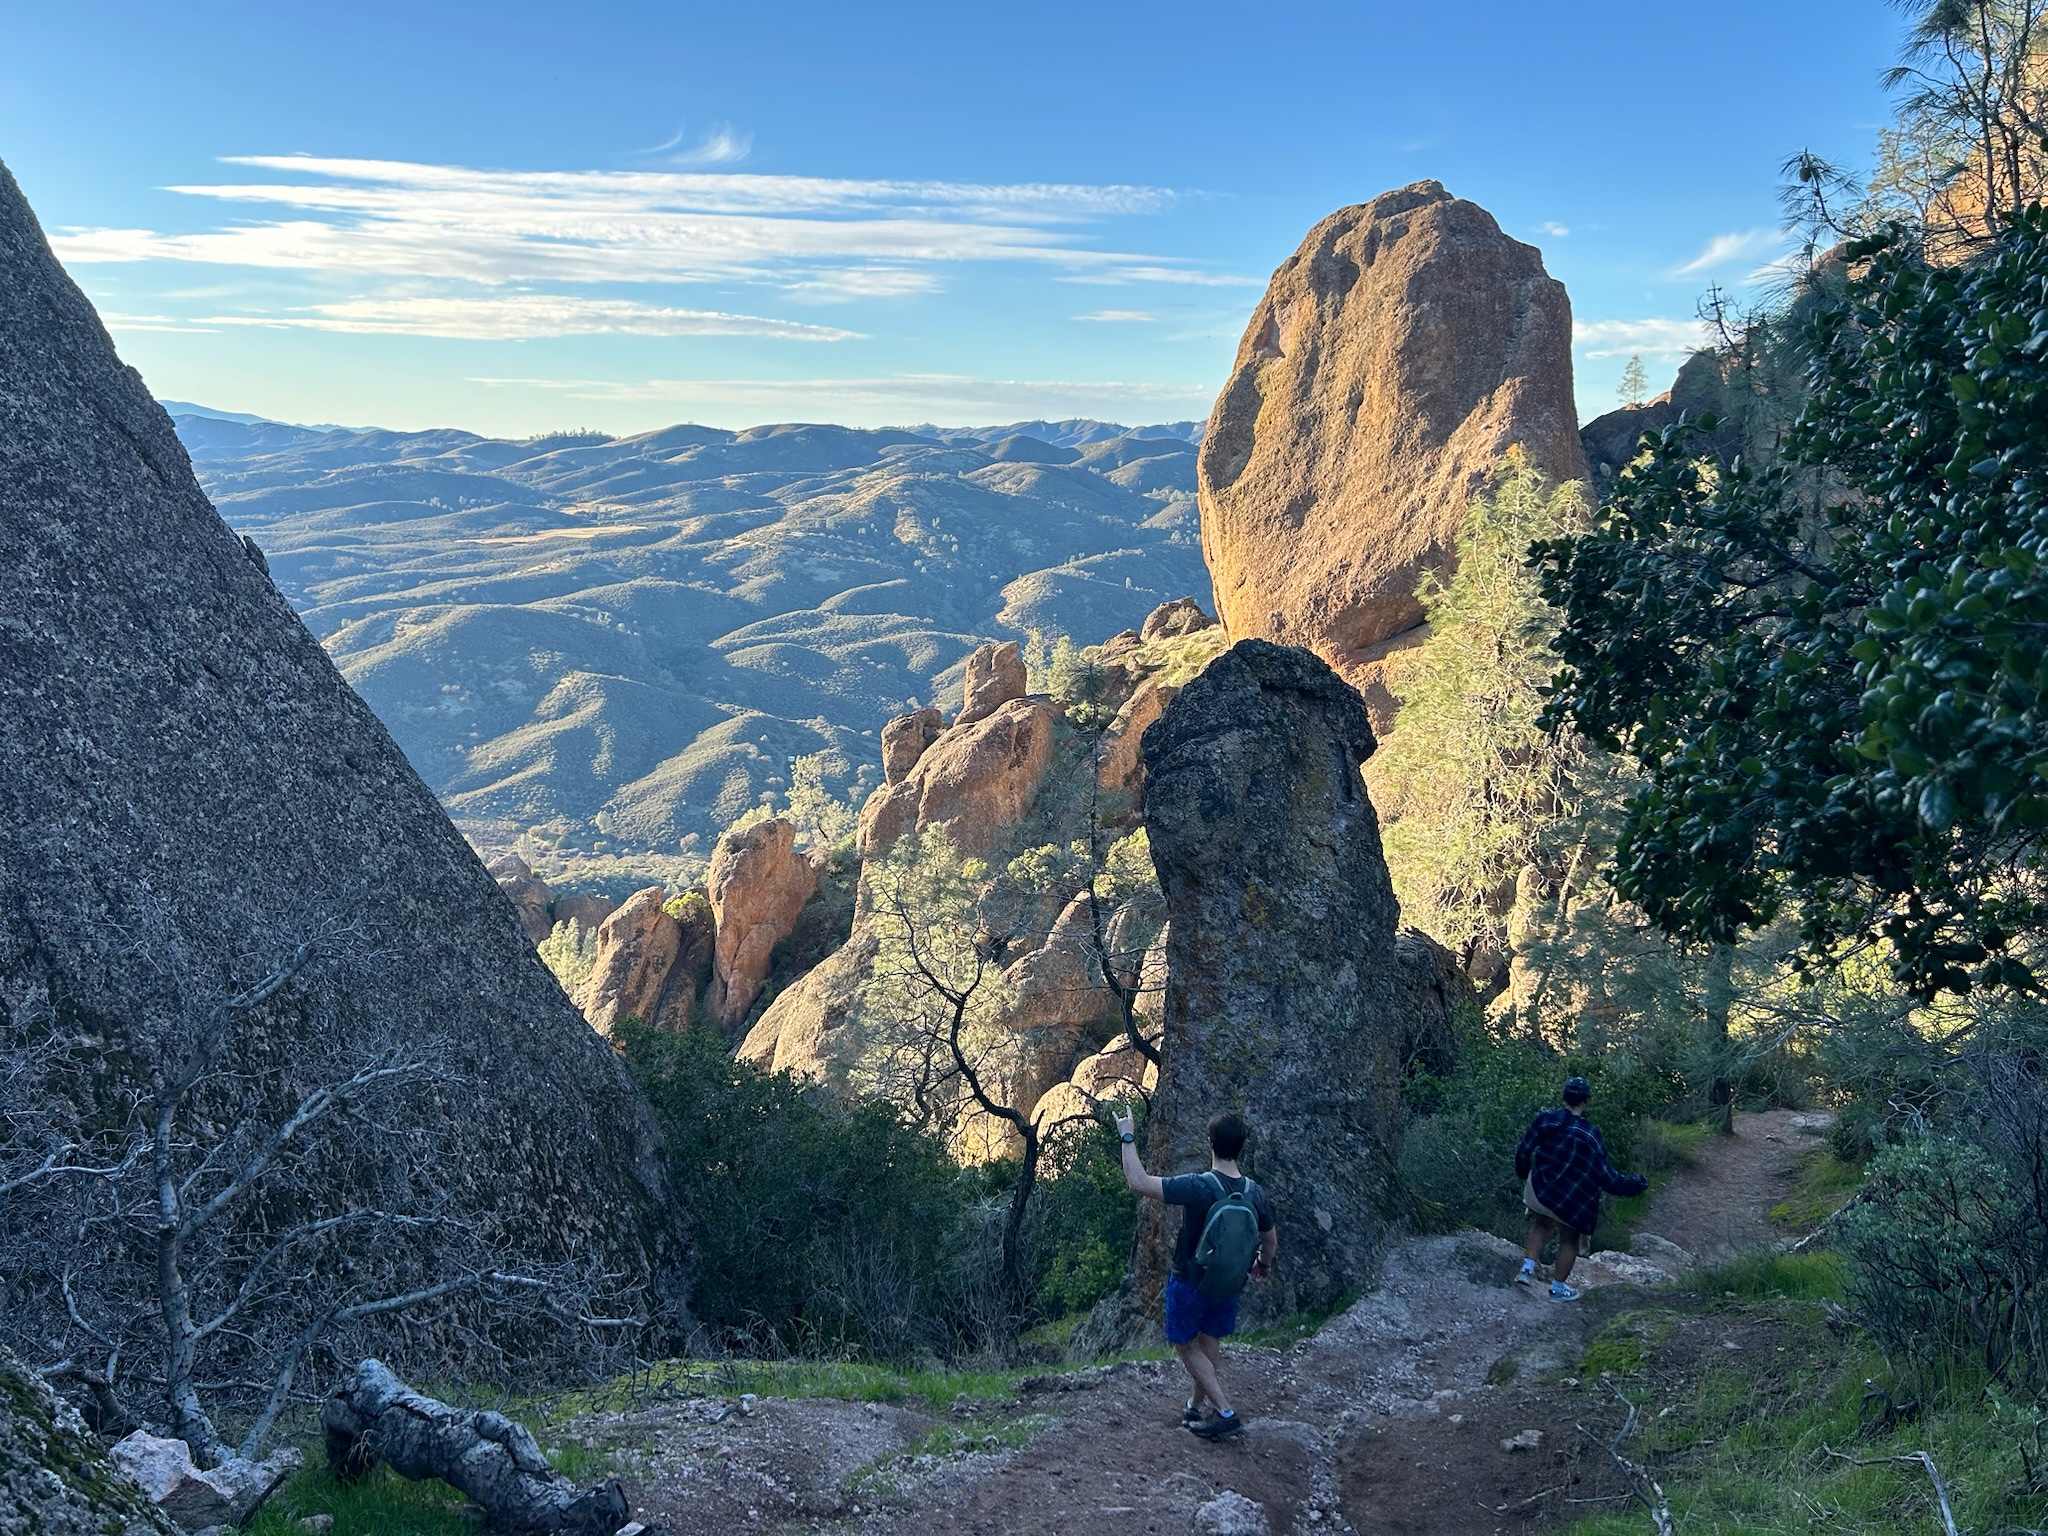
{"type": "Point", "coordinates": [224, 1495]}
{"type": "Point", "coordinates": [1231, 1514]}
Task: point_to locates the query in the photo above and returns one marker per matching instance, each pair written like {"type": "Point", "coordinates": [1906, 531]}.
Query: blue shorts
{"type": "Point", "coordinates": [1189, 1312]}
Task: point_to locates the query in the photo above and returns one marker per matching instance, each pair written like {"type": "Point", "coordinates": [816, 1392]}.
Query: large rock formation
{"type": "Point", "coordinates": [977, 780]}
{"type": "Point", "coordinates": [188, 789]}
{"type": "Point", "coordinates": [758, 884]}
{"type": "Point", "coordinates": [1395, 357]}
{"type": "Point", "coordinates": [995, 675]}
{"type": "Point", "coordinates": [1284, 998]}
{"type": "Point", "coordinates": [55, 1479]}
{"type": "Point", "coordinates": [527, 892]}
{"type": "Point", "coordinates": [651, 965]}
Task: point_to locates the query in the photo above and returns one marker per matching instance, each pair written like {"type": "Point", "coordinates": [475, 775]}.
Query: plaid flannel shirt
{"type": "Point", "coordinates": [1565, 1161]}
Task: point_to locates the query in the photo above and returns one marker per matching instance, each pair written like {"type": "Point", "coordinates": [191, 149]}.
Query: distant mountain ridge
{"type": "Point", "coordinates": [608, 648]}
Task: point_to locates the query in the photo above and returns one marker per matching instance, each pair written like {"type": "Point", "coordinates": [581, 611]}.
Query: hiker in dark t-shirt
{"type": "Point", "coordinates": [1198, 1319]}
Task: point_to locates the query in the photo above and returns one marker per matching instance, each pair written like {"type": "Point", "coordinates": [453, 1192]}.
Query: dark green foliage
{"type": "Point", "coordinates": [1832, 668]}
{"type": "Point", "coordinates": [814, 1227]}
{"type": "Point", "coordinates": [1082, 1222]}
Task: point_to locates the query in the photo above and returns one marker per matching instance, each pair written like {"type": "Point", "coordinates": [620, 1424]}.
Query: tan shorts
{"type": "Point", "coordinates": [1536, 1207]}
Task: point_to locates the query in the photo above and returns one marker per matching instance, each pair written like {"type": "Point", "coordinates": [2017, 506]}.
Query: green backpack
{"type": "Point", "coordinates": [1228, 1244]}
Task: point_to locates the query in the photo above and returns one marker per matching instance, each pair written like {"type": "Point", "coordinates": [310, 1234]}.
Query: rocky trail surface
{"type": "Point", "coordinates": [1444, 1402]}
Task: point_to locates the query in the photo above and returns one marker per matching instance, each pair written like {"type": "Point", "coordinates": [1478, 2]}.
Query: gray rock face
{"type": "Point", "coordinates": [172, 737]}
{"type": "Point", "coordinates": [225, 1495]}
{"type": "Point", "coordinates": [1284, 994]}
{"type": "Point", "coordinates": [55, 1480]}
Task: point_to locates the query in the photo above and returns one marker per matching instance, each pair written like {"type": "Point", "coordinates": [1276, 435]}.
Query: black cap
{"type": "Point", "coordinates": [1577, 1090]}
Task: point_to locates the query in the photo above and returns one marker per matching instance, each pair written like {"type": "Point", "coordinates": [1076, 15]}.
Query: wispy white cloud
{"type": "Point", "coordinates": [1554, 229]}
{"type": "Point", "coordinates": [955, 396]}
{"type": "Point", "coordinates": [723, 145]}
{"type": "Point", "coordinates": [1120, 316]}
{"type": "Point", "coordinates": [1656, 339]}
{"type": "Point", "coordinates": [525, 316]}
{"type": "Point", "coordinates": [835, 284]}
{"type": "Point", "coordinates": [401, 219]}
{"type": "Point", "coordinates": [1122, 275]}
{"type": "Point", "coordinates": [119, 322]}
{"type": "Point", "coordinates": [1726, 250]}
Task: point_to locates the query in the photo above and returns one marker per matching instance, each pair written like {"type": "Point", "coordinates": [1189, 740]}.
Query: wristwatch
{"type": "Point", "coordinates": [1127, 1138]}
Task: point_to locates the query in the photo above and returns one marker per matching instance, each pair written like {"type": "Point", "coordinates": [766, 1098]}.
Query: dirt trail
{"type": "Point", "coordinates": [1390, 1420]}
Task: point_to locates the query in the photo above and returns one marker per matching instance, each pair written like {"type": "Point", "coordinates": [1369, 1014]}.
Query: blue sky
{"type": "Point", "coordinates": [515, 217]}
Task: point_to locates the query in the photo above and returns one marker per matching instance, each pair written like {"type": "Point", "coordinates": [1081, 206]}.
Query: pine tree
{"type": "Point", "coordinates": [1635, 384]}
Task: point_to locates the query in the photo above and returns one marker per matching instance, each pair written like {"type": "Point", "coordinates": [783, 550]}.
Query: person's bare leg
{"type": "Point", "coordinates": [1567, 1253]}
{"type": "Point", "coordinates": [1200, 1395]}
{"type": "Point", "coordinates": [1539, 1234]}
{"type": "Point", "coordinates": [1213, 1348]}
{"type": "Point", "coordinates": [1195, 1357]}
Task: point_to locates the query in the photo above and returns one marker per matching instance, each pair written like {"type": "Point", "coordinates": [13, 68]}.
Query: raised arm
{"type": "Point", "coordinates": [1141, 1182]}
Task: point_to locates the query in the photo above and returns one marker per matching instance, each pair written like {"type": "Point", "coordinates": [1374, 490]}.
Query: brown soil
{"type": "Point", "coordinates": [1392, 1419]}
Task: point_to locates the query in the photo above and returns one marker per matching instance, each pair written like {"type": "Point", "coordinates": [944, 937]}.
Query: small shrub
{"type": "Point", "coordinates": [570, 951]}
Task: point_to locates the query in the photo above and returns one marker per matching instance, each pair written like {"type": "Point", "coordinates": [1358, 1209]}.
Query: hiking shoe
{"type": "Point", "coordinates": [1220, 1427]}
{"type": "Point", "coordinates": [1525, 1277]}
{"type": "Point", "coordinates": [1190, 1416]}
{"type": "Point", "coordinates": [1559, 1291]}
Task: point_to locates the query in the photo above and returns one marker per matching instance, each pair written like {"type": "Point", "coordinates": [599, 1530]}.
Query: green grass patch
{"type": "Point", "coordinates": [382, 1504]}
{"type": "Point", "coordinates": [1744, 1446]}
{"type": "Point", "coordinates": [1824, 1186]}
{"type": "Point", "coordinates": [965, 1439]}
{"type": "Point", "coordinates": [1627, 1344]}
{"type": "Point", "coordinates": [1816, 1276]}
{"type": "Point", "coordinates": [935, 1388]}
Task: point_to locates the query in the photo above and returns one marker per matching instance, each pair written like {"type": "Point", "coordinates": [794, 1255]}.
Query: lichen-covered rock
{"type": "Point", "coordinates": [1394, 358]}
{"type": "Point", "coordinates": [758, 883]}
{"type": "Point", "coordinates": [904, 740]}
{"type": "Point", "coordinates": [528, 893]}
{"type": "Point", "coordinates": [177, 743]}
{"type": "Point", "coordinates": [995, 675]}
{"type": "Point", "coordinates": [55, 1480]}
{"type": "Point", "coordinates": [1284, 997]}
{"type": "Point", "coordinates": [637, 948]}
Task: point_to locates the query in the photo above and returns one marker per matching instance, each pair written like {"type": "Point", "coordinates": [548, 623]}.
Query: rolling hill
{"type": "Point", "coordinates": [602, 650]}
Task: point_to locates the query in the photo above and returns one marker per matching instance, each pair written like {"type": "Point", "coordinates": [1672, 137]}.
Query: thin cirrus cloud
{"type": "Point", "coordinates": [519, 316]}
{"type": "Point", "coordinates": [723, 145]}
{"type": "Point", "coordinates": [1660, 340]}
{"type": "Point", "coordinates": [941, 393]}
{"type": "Point", "coordinates": [402, 219]}
{"type": "Point", "coordinates": [1725, 250]}
{"type": "Point", "coordinates": [1120, 316]}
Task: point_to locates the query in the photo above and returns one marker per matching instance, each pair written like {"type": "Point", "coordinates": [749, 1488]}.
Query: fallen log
{"type": "Point", "coordinates": [373, 1417]}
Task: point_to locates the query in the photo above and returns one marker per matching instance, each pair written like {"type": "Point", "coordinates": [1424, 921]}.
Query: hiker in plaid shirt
{"type": "Point", "coordinates": [1564, 1170]}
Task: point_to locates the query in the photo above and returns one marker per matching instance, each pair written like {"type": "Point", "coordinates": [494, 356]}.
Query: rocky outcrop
{"type": "Point", "coordinates": [1121, 763]}
{"type": "Point", "coordinates": [1613, 440]}
{"type": "Point", "coordinates": [1060, 1001]}
{"type": "Point", "coordinates": [55, 1480]}
{"type": "Point", "coordinates": [1169, 621]}
{"type": "Point", "coordinates": [586, 912]}
{"type": "Point", "coordinates": [651, 964]}
{"type": "Point", "coordinates": [181, 754]}
{"type": "Point", "coordinates": [1437, 999]}
{"type": "Point", "coordinates": [904, 741]}
{"type": "Point", "coordinates": [995, 675]}
{"type": "Point", "coordinates": [976, 781]}
{"type": "Point", "coordinates": [758, 884]}
{"type": "Point", "coordinates": [1284, 997]}
{"type": "Point", "coordinates": [804, 1030]}
{"type": "Point", "coordinates": [528, 893]}
{"type": "Point", "coordinates": [1394, 358]}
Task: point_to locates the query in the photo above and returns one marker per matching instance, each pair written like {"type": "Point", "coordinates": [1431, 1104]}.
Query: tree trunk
{"type": "Point", "coordinates": [1013, 1224]}
{"type": "Point", "coordinates": [375, 1417]}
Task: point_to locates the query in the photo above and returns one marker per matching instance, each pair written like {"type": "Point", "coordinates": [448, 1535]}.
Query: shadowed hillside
{"type": "Point", "coordinates": [614, 646]}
